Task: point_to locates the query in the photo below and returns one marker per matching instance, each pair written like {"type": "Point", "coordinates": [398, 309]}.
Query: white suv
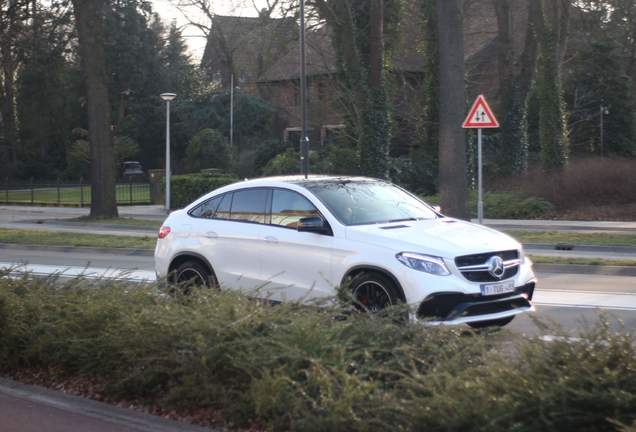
{"type": "Point", "coordinates": [291, 238]}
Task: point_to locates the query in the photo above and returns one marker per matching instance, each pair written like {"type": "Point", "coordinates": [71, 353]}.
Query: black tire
{"type": "Point", "coordinates": [374, 292]}
{"type": "Point", "coordinates": [193, 274]}
{"type": "Point", "coordinates": [492, 323]}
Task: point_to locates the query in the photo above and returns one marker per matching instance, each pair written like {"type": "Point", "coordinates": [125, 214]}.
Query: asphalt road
{"type": "Point", "coordinates": [569, 300]}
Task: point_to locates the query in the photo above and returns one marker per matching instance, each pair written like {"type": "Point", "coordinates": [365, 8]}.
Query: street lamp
{"type": "Point", "coordinates": [304, 139]}
{"type": "Point", "coordinates": [168, 97]}
{"type": "Point", "coordinates": [232, 89]}
{"type": "Point", "coordinates": [603, 112]}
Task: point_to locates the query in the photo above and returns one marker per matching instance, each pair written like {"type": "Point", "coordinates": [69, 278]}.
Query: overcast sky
{"type": "Point", "coordinates": [194, 37]}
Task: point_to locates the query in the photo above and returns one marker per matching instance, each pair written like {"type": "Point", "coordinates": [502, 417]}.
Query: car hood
{"type": "Point", "coordinates": [444, 237]}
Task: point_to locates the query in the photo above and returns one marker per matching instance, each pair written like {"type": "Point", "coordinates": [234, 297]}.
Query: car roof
{"type": "Point", "coordinates": [300, 180]}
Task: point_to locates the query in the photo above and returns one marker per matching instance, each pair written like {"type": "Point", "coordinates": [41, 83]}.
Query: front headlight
{"type": "Point", "coordinates": [425, 263]}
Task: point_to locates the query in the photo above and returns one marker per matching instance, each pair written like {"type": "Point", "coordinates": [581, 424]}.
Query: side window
{"type": "Point", "coordinates": [207, 209]}
{"type": "Point", "coordinates": [289, 207]}
{"type": "Point", "coordinates": [249, 205]}
{"type": "Point", "coordinates": [223, 210]}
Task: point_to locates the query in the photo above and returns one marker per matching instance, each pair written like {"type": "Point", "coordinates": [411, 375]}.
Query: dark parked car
{"type": "Point", "coordinates": [132, 169]}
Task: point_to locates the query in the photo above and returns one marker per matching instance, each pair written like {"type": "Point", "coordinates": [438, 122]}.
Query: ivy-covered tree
{"type": "Point", "coordinates": [360, 43]}
{"type": "Point", "coordinates": [552, 32]}
{"type": "Point", "coordinates": [516, 72]}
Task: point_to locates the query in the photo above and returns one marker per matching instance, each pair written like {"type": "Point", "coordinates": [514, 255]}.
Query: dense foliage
{"type": "Point", "coordinates": [573, 70]}
{"type": "Point", "coordinates": [293, 367]}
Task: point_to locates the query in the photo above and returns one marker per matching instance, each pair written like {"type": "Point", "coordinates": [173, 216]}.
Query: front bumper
{"type": "Point", "coordinates": [453, 308]}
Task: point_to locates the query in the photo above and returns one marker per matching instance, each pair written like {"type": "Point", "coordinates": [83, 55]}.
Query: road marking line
{"type": "Point", "coordinates": [86, 272]}
{"type": "Point", "coordinates": [548, 298]}
{"type": "Point", "coordinates": [584, 299]}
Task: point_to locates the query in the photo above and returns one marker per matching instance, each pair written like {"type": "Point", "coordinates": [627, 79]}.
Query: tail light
{"type": "Point", "coordinates": [164, 231]}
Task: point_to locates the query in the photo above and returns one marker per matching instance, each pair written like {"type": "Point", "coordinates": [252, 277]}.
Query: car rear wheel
{"type": "Point", "coordinates": [373, 292]}
{"type": "Point", "coordinates": [193, 274]}
{"type": "Point", "coordinates": [492, 323]}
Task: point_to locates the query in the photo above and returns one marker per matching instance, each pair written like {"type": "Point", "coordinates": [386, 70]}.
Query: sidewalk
{"type": "Point", "coordinates": [27, 408]}
{"type": "Point", "coordinates": [24, 213]}
{"type": "Point", "coordinates": [562, 225]}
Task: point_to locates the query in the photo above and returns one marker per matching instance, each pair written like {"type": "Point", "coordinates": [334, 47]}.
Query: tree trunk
{"type": "Point", "coordinates": [374, 147]}
{"type": "Point", "coordinates": [89, 21]}
{"type": "Point", "coordinates": [452, 140]}
{"type": "Point", "coordinates": [511, 149]}
{"type": "Point", "coordinates": [504, 45]}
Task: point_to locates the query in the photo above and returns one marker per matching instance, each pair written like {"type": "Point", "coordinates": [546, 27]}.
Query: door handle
{"type": "Point", "coordinates": [270, 239]}
{"type": "Point", "coordinates": [211, 235]}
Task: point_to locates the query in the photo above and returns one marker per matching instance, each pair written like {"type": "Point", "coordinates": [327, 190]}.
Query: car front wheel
{"type": "Point", "coordinates": [373, 292]}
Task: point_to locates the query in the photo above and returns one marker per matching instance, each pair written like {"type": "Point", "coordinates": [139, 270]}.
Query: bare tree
{"type": "Point", "coordinates": [89, 17]}
{"type": "Point", "coordinates": [452, 139]}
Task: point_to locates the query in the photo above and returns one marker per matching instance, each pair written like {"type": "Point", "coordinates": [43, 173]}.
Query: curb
{"type": "Point", "coordinates": [123, 227]}
{"type": "Point", "coordinates": [82, 249]}
{"type": "Point", "coordinates": [589, 248]}
{"type": "Point", "coordinates": [137, 420]}
{"type": "Point", "coordinates": [560, 228]}
{"type": "Point", "coordinates": [586, 269]}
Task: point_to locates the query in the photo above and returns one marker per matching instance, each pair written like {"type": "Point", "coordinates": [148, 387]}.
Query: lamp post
{"type": "Point", "coordinates": [304, 139]}
{"type": "Point", "coordinates": [231, 111]}
{"type": "Point", "coordinates": [603, 112]}
{"type": "Point", "coordinates": [168, 97]}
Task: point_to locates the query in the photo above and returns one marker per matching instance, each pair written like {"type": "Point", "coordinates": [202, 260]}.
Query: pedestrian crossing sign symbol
{"type": "Point", "coordinates": [480, 116]}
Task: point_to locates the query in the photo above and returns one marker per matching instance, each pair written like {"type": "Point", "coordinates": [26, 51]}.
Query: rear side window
{"type": "Point", "coordinates": [289, 207]}
{"type": "Point", "coordinates": [249, 205]}
{"type": "Point", "coordinates": [223, 210]}
{"type": "Point", "coordinates": [207, 210]}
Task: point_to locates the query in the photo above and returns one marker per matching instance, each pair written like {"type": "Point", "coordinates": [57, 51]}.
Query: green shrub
{"type": "Point", "coordinates": [186, 188]}
{"type": "Point", "coordinates": [505, 205]}
{"type": "Point", "coordinates": [284, 163]}
{"type": "Point", "coordinates": [207, 149]}
{"type": "Point", "coordinates": [290, 367]}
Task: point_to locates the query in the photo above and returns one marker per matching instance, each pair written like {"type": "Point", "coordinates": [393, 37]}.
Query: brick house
{"type": "Point", "coordinates": [264, 54]}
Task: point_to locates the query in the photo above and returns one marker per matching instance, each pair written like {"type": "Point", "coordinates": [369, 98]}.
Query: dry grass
{"type": "Point", "coordinates": [596, 188]}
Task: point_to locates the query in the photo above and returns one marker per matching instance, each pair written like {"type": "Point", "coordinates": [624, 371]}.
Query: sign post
{"type": "Point", "coordinates": [480, 117]}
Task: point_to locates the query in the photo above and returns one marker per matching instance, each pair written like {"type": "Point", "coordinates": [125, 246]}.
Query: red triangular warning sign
{"type": "Point", "coordinates": [480, 116]}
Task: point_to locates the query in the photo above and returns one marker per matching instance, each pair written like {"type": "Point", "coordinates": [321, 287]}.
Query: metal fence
{"type": "Point", "coordinates": [69, 194]}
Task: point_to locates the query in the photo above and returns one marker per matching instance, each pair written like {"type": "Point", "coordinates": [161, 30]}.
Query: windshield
{"type": "Point", "coordinates": [369, 202]}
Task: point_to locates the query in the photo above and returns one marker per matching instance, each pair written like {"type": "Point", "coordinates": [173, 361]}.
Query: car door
{"type": "Point", "coordinates": [232, 239]}
{"type": "Point", "coordinates": [296, 265]}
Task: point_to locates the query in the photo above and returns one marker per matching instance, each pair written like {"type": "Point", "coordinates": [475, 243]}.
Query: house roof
{"type": "Point", "coordinates": [267, 49]}
{"type": "Point", "coordinates": [253, 43]}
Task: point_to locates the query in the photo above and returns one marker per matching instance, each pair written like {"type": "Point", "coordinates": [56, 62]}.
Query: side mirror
{"type": "Point", "coordinates": [437, 208]}
{"type": "Point", "coordinates": [314, 224]}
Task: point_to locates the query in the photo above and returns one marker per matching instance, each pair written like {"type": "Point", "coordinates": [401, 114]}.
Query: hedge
{"type": "Point", "coordinates": [188, 187]}
{"type": "Point", "coordinates": [293, 367]}
{"type": "Point", "coordinates": [505, 205]}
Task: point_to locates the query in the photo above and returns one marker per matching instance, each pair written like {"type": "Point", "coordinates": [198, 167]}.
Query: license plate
{"type": "Point", "coordinates": [497, 288]}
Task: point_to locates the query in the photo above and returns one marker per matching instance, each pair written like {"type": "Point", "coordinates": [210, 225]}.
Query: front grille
{"type": "Point", "coordinates": [477, 259]}
{"type": "Point", "coordinates": [482, 274]}
{"type": "Point", "coordinates": [446, 306]}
